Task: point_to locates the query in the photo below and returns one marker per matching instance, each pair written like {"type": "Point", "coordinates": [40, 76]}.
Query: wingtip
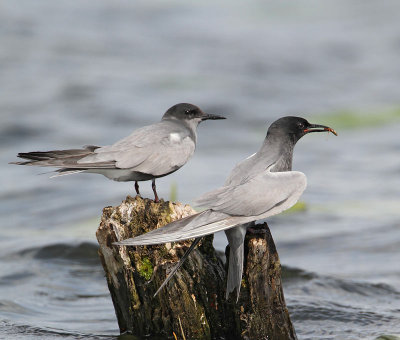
{"type": "Point", "coordinates": [119, 243]}
{"type": "Point", "coordinates": [127, 242]}
{"type": "Point", "coordinates": [158, 290]}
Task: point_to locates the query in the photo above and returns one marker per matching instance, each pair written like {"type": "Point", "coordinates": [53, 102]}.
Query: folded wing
{"type": "Point", "coordinates": [153, 149]}
{"type": "Point", "coordinates": [266, 192]}
{"type": "Point", "coordinates": [265, 195]}
{"type": "Point", "coordinates": [189, 227]}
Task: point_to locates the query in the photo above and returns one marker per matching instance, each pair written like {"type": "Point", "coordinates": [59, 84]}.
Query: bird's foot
{"type": "Point", "coordinates": [257, 229]}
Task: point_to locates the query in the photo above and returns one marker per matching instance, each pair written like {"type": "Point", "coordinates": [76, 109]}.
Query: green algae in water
{"type": "Point", "coordinates": [388, 337]}
{"type": "Point", "coordinates": [348, 119]}
{"type": "Point", "coordinates": [298, 207]}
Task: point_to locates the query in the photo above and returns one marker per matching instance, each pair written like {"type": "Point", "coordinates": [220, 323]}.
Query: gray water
{"type": "Point", "coordinates": [90, 72]}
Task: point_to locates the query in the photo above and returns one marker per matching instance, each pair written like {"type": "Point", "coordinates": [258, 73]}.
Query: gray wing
{"type": "Point", "coordinates": [264, 192]}
{"type": "Point", "coordinates": [180, 230]}
{"type": "Point", "coordinates": [250, 167]}
{"type": "Point", "coordinates": [268, 194]}
{"type": "Point", "coordinates": [242, 171]}
{"type": "Point", "coordinates": [155, 149]}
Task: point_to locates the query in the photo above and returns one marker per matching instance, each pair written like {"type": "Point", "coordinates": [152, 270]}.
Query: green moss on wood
{"type": "Point", "coordinates": [145, 268]}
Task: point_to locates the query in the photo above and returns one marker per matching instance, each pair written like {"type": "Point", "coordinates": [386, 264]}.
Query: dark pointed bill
{"type": "Point", "coordinates": [207, 116]}
{"type": "Point", "coordinates": [319, 128]}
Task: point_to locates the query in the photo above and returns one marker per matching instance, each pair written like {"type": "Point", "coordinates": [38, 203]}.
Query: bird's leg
{"type": "Point", "coordinates": [153, 186]}
{"type": "Point", "coordinates": [137, 188]}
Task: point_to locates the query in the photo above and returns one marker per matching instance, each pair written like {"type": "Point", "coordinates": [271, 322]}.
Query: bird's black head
{"type": "Point", "coordinates": [295, 128]}
{"type": "Point", "coordinates": [188, 112]}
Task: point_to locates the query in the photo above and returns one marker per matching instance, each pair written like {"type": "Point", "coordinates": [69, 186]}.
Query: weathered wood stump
{"type": "Point", "coordinates": [193, 305]}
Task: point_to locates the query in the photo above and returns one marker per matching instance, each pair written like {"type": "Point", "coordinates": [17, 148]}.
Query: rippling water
{"type": "Point", "coordinates": [76, 73]}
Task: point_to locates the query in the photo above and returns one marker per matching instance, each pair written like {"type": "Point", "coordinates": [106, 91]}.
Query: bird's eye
{"type": "Point", "coordinates": [300, 125]}
{"type": "Point", "coordinates": [189, 112]}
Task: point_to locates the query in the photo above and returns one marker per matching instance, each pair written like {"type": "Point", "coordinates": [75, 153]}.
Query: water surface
{"type": "Point", "coordinates": [90, 72]}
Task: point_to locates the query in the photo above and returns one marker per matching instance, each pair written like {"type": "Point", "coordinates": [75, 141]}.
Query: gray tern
{"type": "Point", "coordinates": [150, 152]}
{"type": "Point", "coordinates": [260, 186]}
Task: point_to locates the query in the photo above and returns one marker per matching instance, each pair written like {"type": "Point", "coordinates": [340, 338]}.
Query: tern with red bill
{"type": "Point", "coordinates": [260, 186]}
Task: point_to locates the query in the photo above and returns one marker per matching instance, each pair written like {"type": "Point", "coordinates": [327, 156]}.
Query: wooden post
{"type": "Point", "coordinates": [193, 305]}
{"type": "Point", "coordinates": [261, 310]}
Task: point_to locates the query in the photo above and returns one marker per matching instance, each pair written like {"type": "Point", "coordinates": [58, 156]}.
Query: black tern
{"type": "Point", "coordinates": [260, 186]}
{"type": "Point", "coordinates": [150, 152]}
